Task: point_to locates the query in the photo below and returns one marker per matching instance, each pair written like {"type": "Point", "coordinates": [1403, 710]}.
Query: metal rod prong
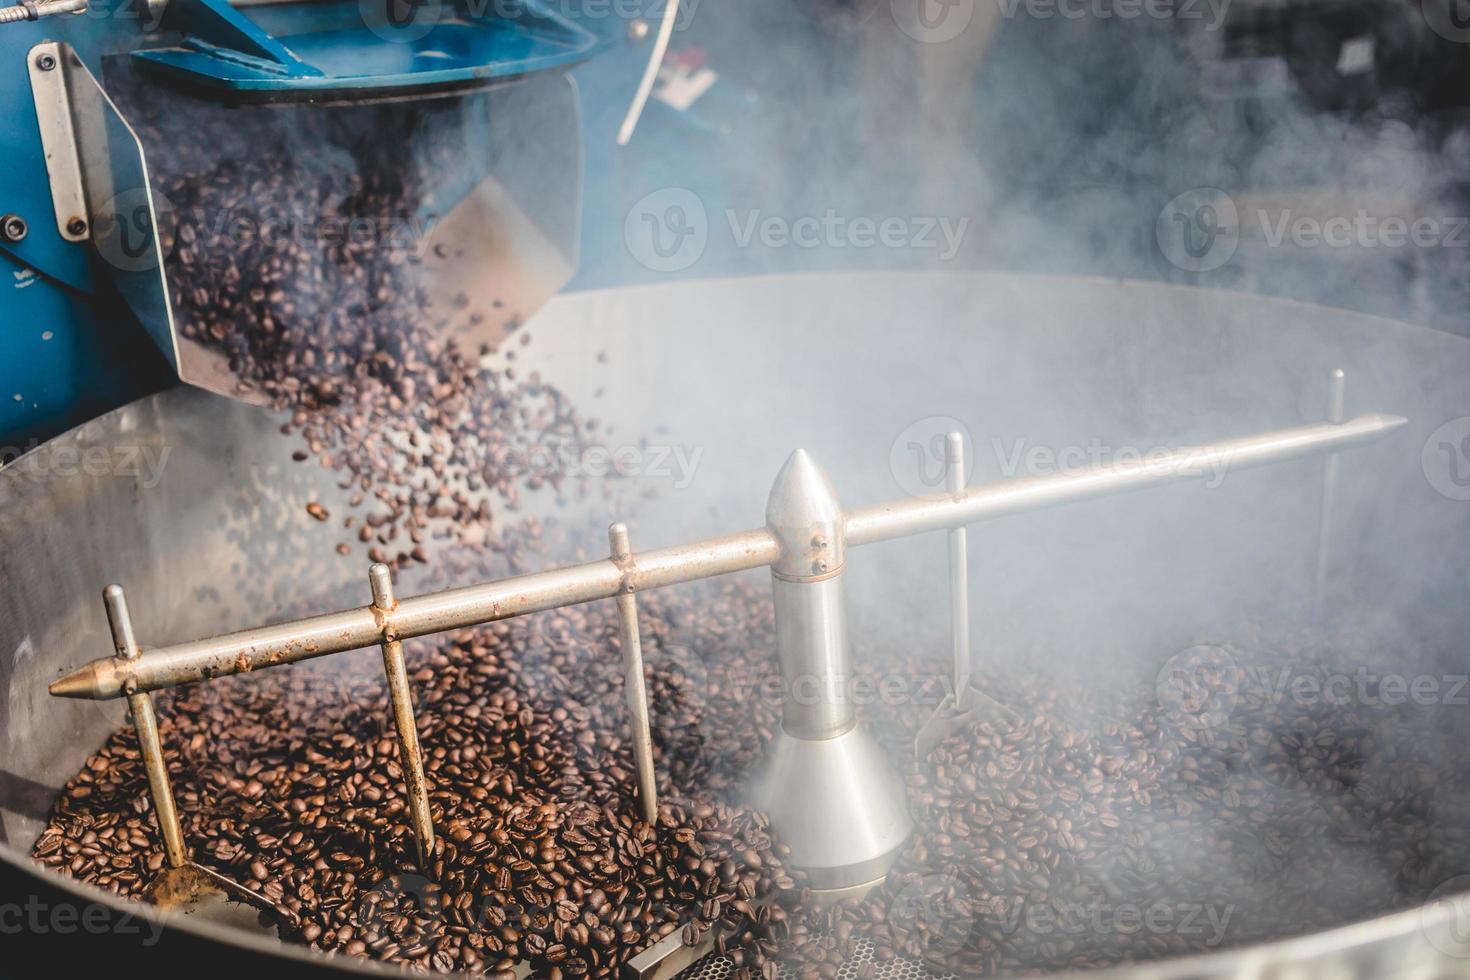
{"type": "Point", "coordinates": [959, 573]}
{"type": "Point", "coordinates": [400, 698]}
{"type": "Point", "coordinates": [633, 682]}
{"type": "Point", "coordinates": [146, 724]}
{"type": "Point", "coordinates": [1331, 470]}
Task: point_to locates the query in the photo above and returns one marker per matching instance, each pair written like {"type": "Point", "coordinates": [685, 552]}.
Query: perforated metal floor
{"type": "Point", "coordinates": [717, 967]}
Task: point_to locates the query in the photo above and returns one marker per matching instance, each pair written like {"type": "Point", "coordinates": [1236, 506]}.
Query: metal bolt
{"type": "Point", "coordinates": [76, 226]}
{"type": "Point", "coordinates": [45, 62]}
{"type": "Point", "coordinates": [13, 228]}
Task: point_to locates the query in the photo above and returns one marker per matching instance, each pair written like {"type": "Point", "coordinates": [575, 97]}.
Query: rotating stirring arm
{"type": "Point", "coordinates": [805, 544]}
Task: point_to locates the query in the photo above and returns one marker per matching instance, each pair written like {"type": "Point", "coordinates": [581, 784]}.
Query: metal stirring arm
{"type": "Point", "coordinates": [360, 628]}
{"type": "Point", "coordinates": [806, 559]}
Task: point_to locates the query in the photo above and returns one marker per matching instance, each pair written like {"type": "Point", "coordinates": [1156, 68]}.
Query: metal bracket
{"type": "Point", "coordinates": [669, 957]}
{"type": "Point", "coordinates": [100, 188]}
{"type": "Point", "coordinates": [47, 67]}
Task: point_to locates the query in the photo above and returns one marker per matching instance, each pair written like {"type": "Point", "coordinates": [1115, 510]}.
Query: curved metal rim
{"type": "Point", "coordinates": [1230, 295]}
{"type": "Point", "coordinates": [1357, 934]}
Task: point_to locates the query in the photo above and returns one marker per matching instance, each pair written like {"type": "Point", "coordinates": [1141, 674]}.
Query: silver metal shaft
{"type": "Point", "coordinates": [1331, 470]}
{"type": "Point", "coordinates": [959, 573]}
{"type": "Point", "coordinates": [146, 724]}
{"type": "Point", "coordinates": [916, 515]}
{"type": "Point", "coordinates": [816, 667]}
{"type": "Point", "coordinates": [400, 698]}
{"type": "Point", "coordinates": [634, 685]}
{"type": "Point", "coordinates": [356, 629]}
{"type": "Point", "coordinates": [41, 8]}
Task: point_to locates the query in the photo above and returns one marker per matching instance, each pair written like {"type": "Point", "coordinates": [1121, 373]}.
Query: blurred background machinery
{"type": "Point", "coordinates": [1057, 132]}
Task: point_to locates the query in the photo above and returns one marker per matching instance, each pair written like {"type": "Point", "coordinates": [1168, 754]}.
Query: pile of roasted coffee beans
{"type": "Point", "coordinates": [1072, 827]}
{"type": "Point", "coordinates": [288, 782]}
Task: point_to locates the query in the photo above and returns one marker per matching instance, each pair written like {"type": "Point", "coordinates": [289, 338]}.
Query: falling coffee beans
{"type": "Point", "coordinates": [296, 260]}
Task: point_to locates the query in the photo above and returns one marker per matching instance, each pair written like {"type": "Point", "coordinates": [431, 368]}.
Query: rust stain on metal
{"type": "Point", "coordinates": [383, 619]}
{"type": "Point", "coordinates": [628, 573]}
{"type": "Point", "coordinates": [183, 888]}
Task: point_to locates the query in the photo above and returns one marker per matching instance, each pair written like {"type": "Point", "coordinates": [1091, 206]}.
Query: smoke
{"type": "Point", "coordinates": [1059, 133]}
{"type": "Point", "coordinates": [1209, 153]}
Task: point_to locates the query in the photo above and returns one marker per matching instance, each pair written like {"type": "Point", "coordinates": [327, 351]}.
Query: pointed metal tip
{"type": "Point", "coordinates": [802, 494]}
{"type": "Point", "coordinates": [80, 683]}
{"type": "Point", "coordinates": [800, 462]}
{"type": "Point", "coordinates": [804, 513]}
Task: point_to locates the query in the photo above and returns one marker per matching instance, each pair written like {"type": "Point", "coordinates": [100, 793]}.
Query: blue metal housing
{"type": "Point", "coordinates": [345, 47]}
{"type": "Point", "coordinates": [71, 349]}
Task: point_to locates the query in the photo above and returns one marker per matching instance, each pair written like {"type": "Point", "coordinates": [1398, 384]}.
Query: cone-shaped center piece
{"type": "Point", "coordinates": [829, 790]}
